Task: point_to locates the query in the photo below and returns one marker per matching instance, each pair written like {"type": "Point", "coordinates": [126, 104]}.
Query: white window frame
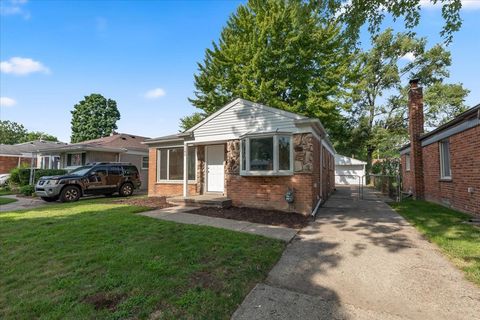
{"type": "Point", "coordinates": [408, 162]}
{"type": "Point", "coordinates": [75, 153]}
{"type": "Point", "coordinates": [148, 162]}
{"type": "Point", "coordinates": [275, 172]}
{"type": "Point", "coordinates": [168, 164]}
{"type": "Point", "coordinates": [442, 160]}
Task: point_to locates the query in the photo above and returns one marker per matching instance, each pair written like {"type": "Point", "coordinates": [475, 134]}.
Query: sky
{"type": "Point", "coordinates": [143, 54]}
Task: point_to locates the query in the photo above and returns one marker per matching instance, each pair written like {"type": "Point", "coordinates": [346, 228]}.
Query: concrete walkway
{"type": "Point", "coordinates": [361, 260]}
{"type": "Point", "coordinates": [180, 214]}
{"type": "Point", "coordinates": [21, 203]}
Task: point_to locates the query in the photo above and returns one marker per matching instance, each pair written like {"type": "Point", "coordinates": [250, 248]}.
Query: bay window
{"type": "Point", "coordinates": [170, 164]}
{"type": "Point", "coordinates": [266, 155]}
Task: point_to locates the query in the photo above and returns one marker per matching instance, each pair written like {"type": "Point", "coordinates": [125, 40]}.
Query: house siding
{"type": "Point", "coordinates": [465, 168]}
{"type": "Point", "coordinates": [239, 120]}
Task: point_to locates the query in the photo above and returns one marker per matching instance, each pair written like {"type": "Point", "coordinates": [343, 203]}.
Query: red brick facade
{"type": "Point", "coordinates": [465, 167]}
{"type": "Point", "coordinates": [8, 163]}
{"type": "Point", "coordinates": [263, 191]}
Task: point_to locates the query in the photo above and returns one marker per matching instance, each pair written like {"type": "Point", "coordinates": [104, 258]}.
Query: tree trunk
{"type": "Point", "coordinates": [368, 167]}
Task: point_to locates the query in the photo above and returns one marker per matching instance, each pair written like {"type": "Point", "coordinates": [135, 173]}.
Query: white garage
{"type": "Point", "coordinates": [349, 171]}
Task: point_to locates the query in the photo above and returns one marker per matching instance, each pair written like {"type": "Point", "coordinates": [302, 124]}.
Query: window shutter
{"type": "Point", "coordinates": [84, 157]}
{"type": "Point", "coordinates": [69, 159]}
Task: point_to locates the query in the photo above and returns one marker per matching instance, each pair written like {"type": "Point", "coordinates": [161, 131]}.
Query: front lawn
{"type": "Point", "coordinates": [6, 200]}
{"type": "Point", "coordinates": [94, 260]}
{"type": "Point", "coordinates": [446, 228]}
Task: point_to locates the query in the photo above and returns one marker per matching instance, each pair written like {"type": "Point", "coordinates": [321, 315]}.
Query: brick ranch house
{"type": "Point", "coordinates": [27, 154]}
{"type": "Point", "coordinates": [250, 153]}
{"type": "Point", "coordinates": [443, 166]}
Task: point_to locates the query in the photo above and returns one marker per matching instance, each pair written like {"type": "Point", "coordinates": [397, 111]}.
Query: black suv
{"type": "Point", "coordinates": [96, 178]}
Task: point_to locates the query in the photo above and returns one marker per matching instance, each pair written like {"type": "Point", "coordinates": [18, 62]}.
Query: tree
{"type": "Point", "coordinates": [94, 117]}
{"type": "Point", "coordinates": [38, 135]}
{"type": "Point", "coordinates": [11, 132]}
{"type": "Point", "coordinates": [189, 121]}
{"type": "Point", "coordinates": [379, 101]}
{"type": "Point", "coordinates": [356, 13]}
{"type": "Point", "coordinates": [285, 54]}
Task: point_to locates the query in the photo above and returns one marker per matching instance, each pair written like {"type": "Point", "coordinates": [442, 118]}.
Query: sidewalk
{"type": "Point", "coordinates": [181, 215]}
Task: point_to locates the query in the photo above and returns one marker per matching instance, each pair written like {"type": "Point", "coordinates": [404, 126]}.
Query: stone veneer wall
{"type": "Point", "coordinates": [268, 191]}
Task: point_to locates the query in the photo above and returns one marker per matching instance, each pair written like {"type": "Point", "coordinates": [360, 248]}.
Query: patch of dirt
{"type": "Point", "coordinates": [270, 217]}
{"type": "Point", "coordinates": [206, 280]}
{"type": "Point", "coordinates": [150, 202]}
{"type": "Point", "coordinates": [103, 300]}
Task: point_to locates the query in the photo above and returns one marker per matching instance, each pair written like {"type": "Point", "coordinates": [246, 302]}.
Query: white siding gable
{"type": "Point", "coordinates": [241, 117]}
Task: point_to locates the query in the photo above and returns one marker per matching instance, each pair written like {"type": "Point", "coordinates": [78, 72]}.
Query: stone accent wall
{"type": "Point", "coordinates": [200, 169]}
{"type": "Point", "coordinates": [268, 192]}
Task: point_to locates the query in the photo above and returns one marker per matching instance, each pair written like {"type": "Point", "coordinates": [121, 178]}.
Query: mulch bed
{"type": "Point", "coordinates": [150, 202]}
{"type": "Point", "coordinates": [270, 217]}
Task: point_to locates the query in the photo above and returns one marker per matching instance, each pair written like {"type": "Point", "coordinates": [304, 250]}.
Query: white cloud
{"type": "Point", "coordinates": [155, 93]}
{"type": "Point", "coordinates": [14, 7]}
{"type": "Point", "coordinates": [7, 102]}
{"type": "Point", "coordinates": [409, 56]}
{"type": "Point", "coordinates": [22, 66]}
{"type": "Point", "coordinates": [466, 4]}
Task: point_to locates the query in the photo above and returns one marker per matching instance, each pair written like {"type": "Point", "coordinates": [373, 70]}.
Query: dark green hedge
{"type": "Point", "coordinates": [21, 177]}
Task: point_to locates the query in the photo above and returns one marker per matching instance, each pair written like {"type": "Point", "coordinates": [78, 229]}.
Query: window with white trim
{"type": "Point", "coordinates": [170, 164]}
{"type": "Point", "coordinates": [407, 162]}
{"type": "Point", "coordinates": [145, 162]}
{"type": "Point", "coordinates": [266, 155]}
{"type": "Point", "coordinates": [445, 170]}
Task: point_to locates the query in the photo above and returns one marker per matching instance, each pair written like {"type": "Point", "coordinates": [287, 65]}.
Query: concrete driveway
{"type": "Point", "coordinates": [361, 260]}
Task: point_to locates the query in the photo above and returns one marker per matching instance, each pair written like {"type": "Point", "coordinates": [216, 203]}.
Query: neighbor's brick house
{"type": "Point", "coordinates": [28, 154]}
{"type": "Point", "coordinates": [443, 165]}
{"type": "Point", "coordinates": [250, 153]}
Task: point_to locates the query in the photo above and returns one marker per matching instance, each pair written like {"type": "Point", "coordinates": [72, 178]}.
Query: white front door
{"type": "Point", "coordinates": [215, 170]}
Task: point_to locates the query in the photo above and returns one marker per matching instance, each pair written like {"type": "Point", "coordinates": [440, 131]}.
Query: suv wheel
{"type": "Point", "coordinates": [126, 189]}
{"type": "Point", "coordinates": [70, 194]}
{"type": "Point", "coordinates": [50, 199]}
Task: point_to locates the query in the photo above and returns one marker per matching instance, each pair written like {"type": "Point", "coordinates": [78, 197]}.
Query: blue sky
{"type": "Point", "coordinates": [143, 54]}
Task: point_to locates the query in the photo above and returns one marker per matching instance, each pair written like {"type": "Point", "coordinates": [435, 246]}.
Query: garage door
{"type": "Point", "coordinates": [348, 175]}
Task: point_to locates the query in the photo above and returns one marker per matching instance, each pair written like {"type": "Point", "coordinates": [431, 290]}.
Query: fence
{"type": "Point", "coordinates": [389, 185]}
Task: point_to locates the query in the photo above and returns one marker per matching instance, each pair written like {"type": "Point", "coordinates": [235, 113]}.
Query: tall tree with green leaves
{"type": "Point", "coordinates": [379, 96]}
{"type": "Point", "coordinates": [11, 132]}
{"type": "Point", "coordinates": [285, 54]}
{"type": "Point", "coordinates": [94, 117]}
{"type": "Point", "coordinates": [38, 135]}
{"type": "Point", "coordinates": [357, 13]}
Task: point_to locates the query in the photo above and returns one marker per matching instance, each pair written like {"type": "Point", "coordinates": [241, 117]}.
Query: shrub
{"type": "Point", "coordinates": [27, 190]}
{"type": "Point", "coordinates": [21, 176]}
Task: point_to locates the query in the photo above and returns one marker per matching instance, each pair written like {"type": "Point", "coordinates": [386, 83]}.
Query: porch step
{"type": "Point", "coordinates": [202, 201]}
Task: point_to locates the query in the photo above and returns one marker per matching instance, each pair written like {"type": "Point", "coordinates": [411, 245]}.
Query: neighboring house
{"type": "Point", "coordinates": [28, 154]}
{"type": "Point", "coordinates": [349, 171]}
{"type": "Point", "coordinates": [443, 165]}
{"type": "Point", "coordinates": [118, 147]}
{"type": "Point", "coordinates": [250, 153]}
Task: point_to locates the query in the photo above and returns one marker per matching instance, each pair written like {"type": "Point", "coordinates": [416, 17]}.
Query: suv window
{"type": "Point", "coordinates": [115, 170]}
{"type": "Point", "coordinates": [100, 174]}
{"type": "Point", "coordinates": [130, 170]}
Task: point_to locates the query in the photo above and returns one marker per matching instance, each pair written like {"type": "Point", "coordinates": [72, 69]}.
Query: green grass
{"type": "Point", "coordinates": [4, 192]}
{"type": "Point", "coordinates": [94, 260]}
{"type": "Point", "coordinates": [445, 227]}
{"type": "Point", "coordinates": [6, 200]}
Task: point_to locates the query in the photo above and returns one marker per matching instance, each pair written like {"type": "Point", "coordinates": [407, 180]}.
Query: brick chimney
{"type": "Point", "coordinates": [415, 129]}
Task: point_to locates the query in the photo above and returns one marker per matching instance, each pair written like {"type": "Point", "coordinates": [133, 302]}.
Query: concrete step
{"type": "Point", "coordinates": [201, 201]}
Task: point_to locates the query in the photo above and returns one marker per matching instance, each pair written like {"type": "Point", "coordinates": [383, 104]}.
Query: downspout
{"type": "Point", "coordinates": [319, 201]}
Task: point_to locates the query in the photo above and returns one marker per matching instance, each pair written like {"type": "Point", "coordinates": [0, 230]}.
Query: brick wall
{"type": "Point", "coordinates": [465, 166]}
{"type": "Point", "coordinates": [156, 189]}
{"type": "Point", "coordinates": [415, 129]}
{"type": "Point", "coordinates": [9, 163]}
